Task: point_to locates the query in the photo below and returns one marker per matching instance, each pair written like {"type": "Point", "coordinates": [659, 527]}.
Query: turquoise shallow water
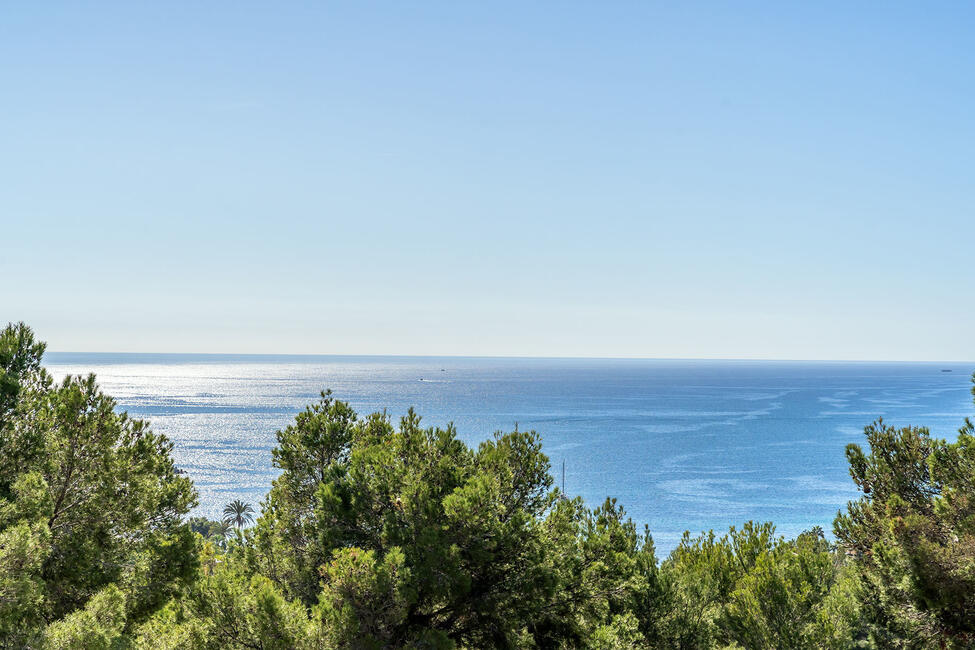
{"type": "Point", "coordinates": [681, 444]}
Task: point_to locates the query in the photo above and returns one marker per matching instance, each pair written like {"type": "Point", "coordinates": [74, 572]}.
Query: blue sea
{"type": "Point", "coordinates": [683, 445]}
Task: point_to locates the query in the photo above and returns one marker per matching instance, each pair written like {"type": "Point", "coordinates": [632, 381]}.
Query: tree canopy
{"type": "Point", "coordinates": [383, 534]}
{"type": "Point", "coordinates": [237, 513]}
{"type": "Point", "coordinates": [91, 502]}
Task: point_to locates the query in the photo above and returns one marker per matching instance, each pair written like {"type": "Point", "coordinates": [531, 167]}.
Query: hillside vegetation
{"type": "Point", "coordinates": [383, 534]}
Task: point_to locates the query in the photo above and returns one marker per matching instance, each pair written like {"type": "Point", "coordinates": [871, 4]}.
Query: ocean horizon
{"type": "Point", "coordinates": [682, 444]}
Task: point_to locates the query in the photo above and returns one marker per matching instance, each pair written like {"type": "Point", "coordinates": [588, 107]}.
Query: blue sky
{"type": "Point", "coordinates": [546, 179]}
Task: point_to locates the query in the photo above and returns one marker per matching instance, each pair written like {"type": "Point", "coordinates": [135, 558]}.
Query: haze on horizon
{"type": "Point", "coordinates": [627, 180]}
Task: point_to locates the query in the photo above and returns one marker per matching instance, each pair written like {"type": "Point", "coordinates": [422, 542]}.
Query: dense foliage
{"type": "Point", "coordinates": [390, 535]}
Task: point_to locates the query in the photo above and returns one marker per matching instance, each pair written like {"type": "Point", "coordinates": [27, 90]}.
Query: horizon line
{"type": "Point", "coordinates": [506, 357]}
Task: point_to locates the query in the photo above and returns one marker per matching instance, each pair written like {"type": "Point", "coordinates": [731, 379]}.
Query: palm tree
{"type": "Point", "coordinates": [237, 513]}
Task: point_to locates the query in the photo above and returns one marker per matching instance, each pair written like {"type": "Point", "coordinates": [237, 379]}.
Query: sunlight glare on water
{"type": "Point", "coordinates": [681, 444]}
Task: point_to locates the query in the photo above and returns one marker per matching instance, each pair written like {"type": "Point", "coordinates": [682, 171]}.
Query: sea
{"type": "Point", "coordinates": [681, 444]}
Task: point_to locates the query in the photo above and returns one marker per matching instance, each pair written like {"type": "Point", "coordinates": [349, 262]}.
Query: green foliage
{"type": "Point", "coordinates": [463, 527]}
{"type": "Point", "coordinates": [241, 612]}
{"type": "Point", "coordinates": [776, 603]}
{"type": "Point", "coordinates": [24, 546]}
{"type": "Point", "coordinates": [286, 542]}
{"type": "Point", "coordinates": [383, 536]}
{"type": "Point", "coordinates": [96, 627]}
{"type": "Point", "coordinates": [237, 513]}
{"type": "Point", "coordinates": [90, 504]}
{"type": "Point", "coordinates": [172, 628]}
{"type": "Point", "coordinates": [209, 528]}
{"type": "Point", "coordinates": [363, 600]}
{"type": "Point", "coordinates": [605, 587]}
{"type": "Point", "coordinates": [20, 368]}
{"type": "Point", "coordinates": [118, 501]}
{"type": "Point", "coordinates": [22, 383]}
{"type": "Point", "coordinates": [755, 590]}
{"type": "Point", "coordinates": [912, 534]}
{"type": "Point", "coordinates": [405, 536]}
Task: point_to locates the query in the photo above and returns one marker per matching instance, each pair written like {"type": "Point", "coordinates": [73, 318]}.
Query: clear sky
{"type": "Point", "coordinates": [764, 180]}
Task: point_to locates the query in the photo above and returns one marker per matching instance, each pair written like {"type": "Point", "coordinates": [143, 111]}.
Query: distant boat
{"type": "Point", "coordinates": [946, 370]}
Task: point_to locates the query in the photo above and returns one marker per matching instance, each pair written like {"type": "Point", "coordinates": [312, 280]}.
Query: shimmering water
{"type": "Point", "coordinates": [682, 444]}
